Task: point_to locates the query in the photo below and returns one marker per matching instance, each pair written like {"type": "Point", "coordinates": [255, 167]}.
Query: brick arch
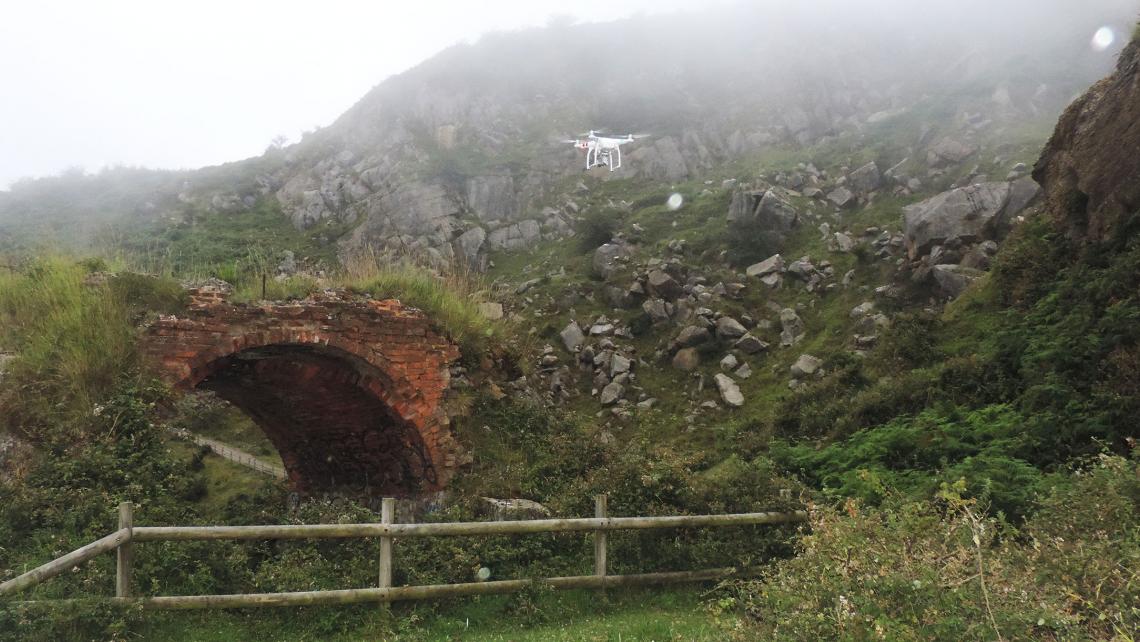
{"type": "Point", "coordinates": [349, 390]}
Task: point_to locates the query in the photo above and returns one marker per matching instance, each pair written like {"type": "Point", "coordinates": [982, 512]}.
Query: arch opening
{"type": "Point", "coordinates": [329, 415]}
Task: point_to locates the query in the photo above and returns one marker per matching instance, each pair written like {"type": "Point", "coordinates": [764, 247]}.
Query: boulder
{"type": "Point", "coordinates": [661, 284]}
{"type": "Point", "coordinates": [692, 336]}
{"type": "Point", "coordinates": [842, 197]}
{"type": "Point", "coordinates": [729, 328]}
{"type": "Point", "coordinates": [792, 327]}
{"type": "Point", "coordinates": [657, 310]}
{"type": "Point", "coordinates": [729, 362]}
{"type": "Point", "coordinates": [954, 279]}
{"type": "Point", "coordinates": [619, 364]}
{"type": "Point", "coordinates": [948, 151]}
{"type": "Point", "coordinates": [843, 242]}
{"type": "Point", "coordinates": [514, 509]}
{"type": "Point", "coordinates": [515, 236]}
{"type": "Point", "coordinates": [805, 366]}
{"type": "Point", "coordinates": [768, 266]}
{"type": "Point", "coordinates": [468, 245]}
{"type": "Point", "coordinates": [966, 214]}
{"type": "Point", "coordinates": [749, 344]}
{"type": "Point", "coordinates": [608, 259]}
{"type": "Point", "coordinates": [572, 337]}
{"type": "Point", "coordinates": [687, 359]}
{"type": "Point", "coordinates": [865, 179]}
{"type": "Point", "coordinates": [729, 391]}
{"type": "Point", "coordinates": [774, 213]}
{"type": "Point", "coordinates": [611, 393]}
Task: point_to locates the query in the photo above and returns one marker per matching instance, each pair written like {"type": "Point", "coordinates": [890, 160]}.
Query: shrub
{"type": "Point", "coordinates": [940, 570]}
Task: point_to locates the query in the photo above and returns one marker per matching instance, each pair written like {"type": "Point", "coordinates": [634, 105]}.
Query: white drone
{"type": "Point", "coordinates": [603, 151]}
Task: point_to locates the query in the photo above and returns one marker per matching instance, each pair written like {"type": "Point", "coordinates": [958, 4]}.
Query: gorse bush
{"type": "Point", "coordinates": [940, 569]}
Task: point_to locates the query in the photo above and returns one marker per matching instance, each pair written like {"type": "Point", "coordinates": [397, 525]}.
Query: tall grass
{"type": "Point", "coordinates": [450, 298]}
{"type": "Point", "coordinates": [73, 340]}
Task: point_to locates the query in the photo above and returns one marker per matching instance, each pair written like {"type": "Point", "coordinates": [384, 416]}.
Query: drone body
{"type": "Point", "coordinates": [602, 151]}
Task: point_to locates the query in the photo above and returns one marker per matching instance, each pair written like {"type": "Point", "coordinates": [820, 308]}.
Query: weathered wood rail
{"type": "Point", "coordinates": [122, 541]}
{"type": "Point", "coordinates": [239, 457]}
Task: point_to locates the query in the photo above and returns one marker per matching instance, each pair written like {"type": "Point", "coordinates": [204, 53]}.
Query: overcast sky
{"type": "Point", "coordinates": [158, 83]}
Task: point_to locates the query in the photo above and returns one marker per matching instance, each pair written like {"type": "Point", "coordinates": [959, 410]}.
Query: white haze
{"type": "Point", "coordinates": [186, 84]}
{"type": "Point", "coordinates": [181, 85]}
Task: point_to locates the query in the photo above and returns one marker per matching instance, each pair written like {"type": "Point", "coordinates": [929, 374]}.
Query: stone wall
{"type": "Point", "coordinates": [349, 390]}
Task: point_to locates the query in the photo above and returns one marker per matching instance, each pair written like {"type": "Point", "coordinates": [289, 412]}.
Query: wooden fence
{"type": "Point", "coordinates": [122, 542]}
{"type": "Point", "coordinates": [230, 453]}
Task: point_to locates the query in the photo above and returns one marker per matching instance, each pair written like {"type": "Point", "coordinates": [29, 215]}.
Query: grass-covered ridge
{"type": "Point", "coordinates": [72, 330]}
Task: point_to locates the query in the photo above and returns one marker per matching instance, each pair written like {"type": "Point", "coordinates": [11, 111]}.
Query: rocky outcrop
{"type": "Point", "coordinates": [1089, 167]}
{"type": "Point", "coordinates": [965, 215]}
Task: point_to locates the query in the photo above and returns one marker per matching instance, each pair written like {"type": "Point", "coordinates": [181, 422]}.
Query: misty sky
{"type": "Point", "coordinates": [180, 85]}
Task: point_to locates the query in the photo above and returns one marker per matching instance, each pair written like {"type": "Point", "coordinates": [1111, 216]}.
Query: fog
{"type": "Point", "coordinates": [180, 85]}
{"type": "Point", "coordinates": [158, 85]}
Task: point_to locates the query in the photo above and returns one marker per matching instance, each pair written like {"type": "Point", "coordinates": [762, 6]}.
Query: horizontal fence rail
{"type": "Point", "coordinates": [122, 541]}
{"type": "Point", "coordinates": [348, 531]}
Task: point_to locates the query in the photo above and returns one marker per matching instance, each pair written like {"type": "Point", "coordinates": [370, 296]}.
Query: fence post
{"type": "Point", "coordinates": [387, 509]}
{"type": "Point", "coordinates": [123, 553]}
{"type": "Point", "coordinates": [600, 537]}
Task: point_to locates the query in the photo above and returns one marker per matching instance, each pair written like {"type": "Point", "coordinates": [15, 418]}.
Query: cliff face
{"type": "Point", "coordinates": [1090, 166]}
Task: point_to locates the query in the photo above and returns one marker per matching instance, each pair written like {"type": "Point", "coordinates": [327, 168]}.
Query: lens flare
{"type": "Point", "coordinates": [1103, 39]}
{"type": "Point", "coordinates": [675, 202]}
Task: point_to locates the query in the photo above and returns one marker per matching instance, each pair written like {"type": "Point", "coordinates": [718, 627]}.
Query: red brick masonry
{"type": "Point", "coordinates": [349, 390]}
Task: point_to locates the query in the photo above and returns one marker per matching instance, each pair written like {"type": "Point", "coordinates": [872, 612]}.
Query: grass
{"type": "Point", "coordinates": [625, 615]}
{"type": "Point", "coordinates": [74, 338]}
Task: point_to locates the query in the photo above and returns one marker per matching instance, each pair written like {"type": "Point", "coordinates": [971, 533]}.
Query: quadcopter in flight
{"type": "Point", "coordinates": [603, 151]}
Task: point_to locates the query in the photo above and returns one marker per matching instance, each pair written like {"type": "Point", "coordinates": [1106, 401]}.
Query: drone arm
{"type": "Point", "coordinates": [617, 149]}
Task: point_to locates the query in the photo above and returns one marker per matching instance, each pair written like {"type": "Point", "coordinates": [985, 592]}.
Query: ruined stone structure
{"type": "Point", "coordinates": [349, 390]}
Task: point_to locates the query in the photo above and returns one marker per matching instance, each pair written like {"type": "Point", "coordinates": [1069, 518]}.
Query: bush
{"type": "Point", "coordinates": [940, 570]}
{"type": "Point", "coordinates": [596, 228]}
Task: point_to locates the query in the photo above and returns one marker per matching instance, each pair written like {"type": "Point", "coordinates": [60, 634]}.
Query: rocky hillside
{"type": "Point", "coordinates": [459, 157]}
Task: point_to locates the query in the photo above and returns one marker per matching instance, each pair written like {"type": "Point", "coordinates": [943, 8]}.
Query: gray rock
{"type": "Point", "coordinates": [619, 365]}
{"type": "Point", "coordinates": [687, 359]}
{"type": "Point", "coordinates": [572, 336]}
{"type": "Point", "coordinates": [749, 344]}
{"type": "Point", "coordinates": [865, 179]}
{"type": "Point", "coordinates": [611, 393]}
{"type": "Point", "coordinates": [661, 284]}
{"type": "Point", "coordinates": [729, 328]}
{"type": "Point", "coordinates": [772, 280]}
{"type": "Point", "coordinates": [514, 236]}
{"type": "Point", "coordinates": [729, 362]}
{"type": "Point", "coordinates": [692, 336]}
{"type": "Point", "coordinates": [805, 366]}
{"type": "Point", "coordinates": [608, 259]}
{"type": "Point", "coordinates": [774, 213]}
{"type": "Point", "coordinates": [843, 242]}
{"type": "Point", "coordinates": [743, 372]}
{"type": "Point", "coordinates": [862, 310]}
{"type": "Point", "coordinates": [514, 509]}
{"type": "Point", "coordinates": [967, 214]}
{"type": "Point", "coordinates": [842, 197]}
{"type": "Point", "coordinates": [288, 264]}
{"type": "Point", "coordinates": [729, 391]}
{"type": "Point", "coordinates": [766, 208]}
{"type": "Point", "coordinates": [792, 327]}
{"type": "Point", "coordinates": [1022, 193]}
{"type": "Point", "coordinates": [469, 244]}
{"type": "Point", "coordinates": [657, 309]}
{"type": "Point", "coordinates": [954, 279]}
{"type": "Point", "coordinates": [774, 263]}
{"type": "Point", "coordinates": [948, 151]}
{"type": "Point", "coordinates": [802, 269]}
